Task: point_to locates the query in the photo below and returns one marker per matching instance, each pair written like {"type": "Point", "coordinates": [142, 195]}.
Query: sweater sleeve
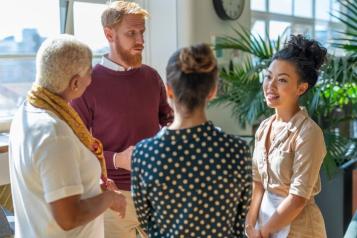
{"type": "Point", "coordinates": [85, 109]}
{"type": "Point", "coordinates": [109, 159]}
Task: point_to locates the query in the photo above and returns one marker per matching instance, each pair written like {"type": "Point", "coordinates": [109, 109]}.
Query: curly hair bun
{"type": "Point", "coordinates": [311, 50]}
{"type": "Point", "coordinates": [197, 59]}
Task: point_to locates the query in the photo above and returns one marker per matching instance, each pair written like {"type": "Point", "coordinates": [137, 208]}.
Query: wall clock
{"type": "Point", "coordinates": [228, 9]}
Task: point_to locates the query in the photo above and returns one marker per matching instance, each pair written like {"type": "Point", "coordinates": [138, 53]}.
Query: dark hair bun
{"type": "Point", "coordinates": [311, 50]}
{"type": "Point", "coordinates": [197, 59]}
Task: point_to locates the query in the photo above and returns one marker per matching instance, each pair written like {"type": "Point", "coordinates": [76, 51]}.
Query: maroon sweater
{"type": "Point", "coordinates": [121, 108]}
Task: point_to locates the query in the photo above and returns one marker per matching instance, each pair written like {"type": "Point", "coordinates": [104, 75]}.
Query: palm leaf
{"type": "Point", "coordinates": [240, 87]}
{"type": "Point", "coordinates": [340, 150]}
{"type": "Point", "coordinates": [247, 42]}
{"type": "Point", "coordinates": [348, 41]}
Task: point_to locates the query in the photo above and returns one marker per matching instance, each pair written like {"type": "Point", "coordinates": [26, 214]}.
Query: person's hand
{"type": "Point", "coordinates": [251, 232]}
{"type": "Point", "coordinates": [110, 185]}
{"type": "Point", "coordinates": [264, 233]}
{"type": "Point", "coordinates": [119, 203]}
{"type": "Point", "coordinates": [123, 159]}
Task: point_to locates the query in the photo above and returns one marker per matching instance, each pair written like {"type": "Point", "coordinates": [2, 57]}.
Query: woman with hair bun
{"type": "Point", "coordinates": [289, 149]}
{"type": "Point", "coordinates": [191, 179]}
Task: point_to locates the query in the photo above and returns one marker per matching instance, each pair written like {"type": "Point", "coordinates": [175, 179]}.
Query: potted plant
{"type": "Point", "coordinates": [332, 103]}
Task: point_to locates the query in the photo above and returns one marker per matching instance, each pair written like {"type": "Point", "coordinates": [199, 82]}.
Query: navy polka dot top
{"type": "Point", "coordinates": [193, 182]}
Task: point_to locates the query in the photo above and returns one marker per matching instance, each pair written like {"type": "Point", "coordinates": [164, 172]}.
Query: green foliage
{"type": "Point", "coordinates": [331, 102]}
{"type": "Point", "coordinates": [348, 39]}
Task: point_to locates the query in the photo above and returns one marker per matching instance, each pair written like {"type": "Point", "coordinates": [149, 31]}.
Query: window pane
{"type": "Point", "coordinates": [279, 28]}
{"type": "Point", "coordinates": [16, 77]}
{"type": "Point", "coordinates": [305, 30]}
{"type": "Point", "coordinates": [85, 15]}
{"type": "Point", "coordinates": [258, 5]}
{"type": "Point", "coordinates": [34, 21]}
{"type": "Point", "coordinates": [303, 8]}
{"type": "Point", "coordinates": [259, 29]}
{"type": "Point", "coordinates": [321, 33]}
{"type": "Point", "coordinates": [336, 7]}
{"type": "Point", "coordinates": [20, 39]}
{"type": "Point", "coordinates": [281, 6]}
{"type": "Point", "coordinates": [322, 9]}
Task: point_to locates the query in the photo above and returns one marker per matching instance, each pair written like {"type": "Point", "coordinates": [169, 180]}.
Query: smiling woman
{"type": "Point", "coordinates": [289, 149]}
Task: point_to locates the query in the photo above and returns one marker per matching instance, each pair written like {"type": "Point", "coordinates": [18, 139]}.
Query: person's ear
{"type": "Point", "coordinates": [74, 83]}
{"type": "Point", "coordinates": [109, 34]}
{"type": "Point", "coordinates": [170, 92]}
{"type": "Point", "coordinates": [302, 88]}
{"type": "Point", "coordinates": [212, 94]}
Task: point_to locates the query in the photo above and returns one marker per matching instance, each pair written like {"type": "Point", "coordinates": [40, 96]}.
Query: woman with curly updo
{"type": "Point", "coordinates": [289, 149]}
{"type": "Point", "coordinates": [191, 179]}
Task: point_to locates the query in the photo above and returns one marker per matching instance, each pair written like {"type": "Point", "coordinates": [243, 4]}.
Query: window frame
{"type": "Point", "coordinates": [66, 26]}
{"type": "Point", "coordinates": [267, 16]}
{"type": "Point", "coordinates": [5, 122]}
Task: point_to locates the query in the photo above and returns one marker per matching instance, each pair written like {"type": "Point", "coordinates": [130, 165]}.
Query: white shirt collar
{"type": "Point", "coordinates": [106, 62]}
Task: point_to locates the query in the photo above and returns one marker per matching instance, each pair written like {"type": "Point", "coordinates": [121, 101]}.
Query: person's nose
{"type": "Point", "coordinates": [140, 39]}
{"type": "Point", "coordinates": [272, 82]}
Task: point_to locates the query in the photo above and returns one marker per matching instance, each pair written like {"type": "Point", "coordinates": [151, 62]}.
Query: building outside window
{"type": "Point", "coordinates": [20, 37]}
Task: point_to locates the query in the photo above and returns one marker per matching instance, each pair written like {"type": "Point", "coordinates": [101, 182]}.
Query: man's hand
{"type": "Point", "coordinates": [123, 159]}
{"type": "Point", "coordinates": [119, 203]}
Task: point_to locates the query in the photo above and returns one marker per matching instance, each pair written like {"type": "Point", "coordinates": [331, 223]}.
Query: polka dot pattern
{"type": "Point", "coordinates": [192, 182]}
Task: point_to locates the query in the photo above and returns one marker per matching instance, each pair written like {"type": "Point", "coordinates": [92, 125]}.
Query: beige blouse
{"type": "Point", "coordinates": [293, 161]}
{"type": "Point", "coordinates": [291, 166]}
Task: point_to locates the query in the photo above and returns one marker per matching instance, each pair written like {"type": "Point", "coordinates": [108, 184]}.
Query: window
{"type": "Point", "coordinates": [308, 17]}
{"type": "Point", "coordinates": [303, 8]}
{"type": "Point", "coordinates": [282, 7]}
{"type": "Point", "coordinates": [258, 5]}
{"type": "Point", "coordinates": [20, 39]}
{"type": "Point", "coordinates": [89, 14]}
{"type": "Point", "coordinates": [258, 29]}
{"type": "Point", "coordinates": [277, 28]}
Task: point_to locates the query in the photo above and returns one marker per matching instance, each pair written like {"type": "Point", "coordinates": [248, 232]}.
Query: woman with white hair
{"type": "Point", "coordinates": [55, 163]}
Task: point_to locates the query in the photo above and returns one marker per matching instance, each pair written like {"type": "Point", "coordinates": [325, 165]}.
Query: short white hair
{"type": "Point", "coordinates": [59, 59]}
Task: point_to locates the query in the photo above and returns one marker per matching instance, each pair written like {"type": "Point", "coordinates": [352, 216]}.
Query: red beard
{"type": "Point", "coordinates": [133, 60]}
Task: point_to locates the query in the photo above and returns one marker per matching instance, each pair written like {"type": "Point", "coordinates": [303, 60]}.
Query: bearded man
{"type": "Point", "coordinates": [125, 103]}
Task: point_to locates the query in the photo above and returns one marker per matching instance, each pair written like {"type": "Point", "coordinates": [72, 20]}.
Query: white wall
{"type": "Point", "coordinates": [161, 34]}
{"type": "Point", "coordinates": [177, 23]}
{"type": "Point", "coordinates": [206, 26]}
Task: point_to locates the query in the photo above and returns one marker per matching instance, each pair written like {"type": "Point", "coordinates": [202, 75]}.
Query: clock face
{"type": "Point", "coordinates": [229, 9]}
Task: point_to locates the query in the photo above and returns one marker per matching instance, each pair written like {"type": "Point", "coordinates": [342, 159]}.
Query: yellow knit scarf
{"type": "Point", "coordinates": [42, 98]}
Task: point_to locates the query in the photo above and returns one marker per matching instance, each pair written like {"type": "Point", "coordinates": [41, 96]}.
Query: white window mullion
{"type": "Point", "coordinates": [293, 8]}
{"type": "Point", "coordinates": [313, 17]}
{"type": "Point", "coordinates": [69, 25]}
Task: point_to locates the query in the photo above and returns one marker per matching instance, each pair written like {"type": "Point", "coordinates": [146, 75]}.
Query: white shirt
{"type": "Point", "coordinates": [106, 62]}
{"type": "Point", "coordinates": [47, 163]}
